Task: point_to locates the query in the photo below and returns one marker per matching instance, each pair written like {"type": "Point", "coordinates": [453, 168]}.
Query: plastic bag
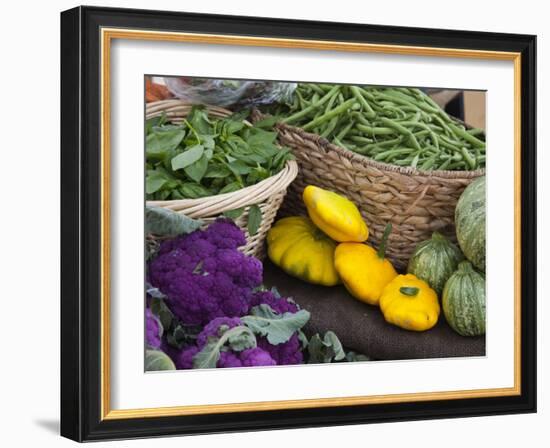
{"type": "Point", "coordinates": [227, 92]}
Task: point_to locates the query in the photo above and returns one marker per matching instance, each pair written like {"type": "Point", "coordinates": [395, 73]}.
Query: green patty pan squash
{"type": "Point", "coordinates": [364, 270]}
{"type": "Point", "coordinates": [335, 215]}
{"type": "Point", "coordinates": [410, 303]}
{"type": "Point", "coordinates": [303, 251]}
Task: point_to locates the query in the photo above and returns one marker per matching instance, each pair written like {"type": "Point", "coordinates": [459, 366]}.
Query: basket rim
{"type": "Point", "coordinates": [367, 161]}
{"type": "Point", "coordinates": [283, 177]}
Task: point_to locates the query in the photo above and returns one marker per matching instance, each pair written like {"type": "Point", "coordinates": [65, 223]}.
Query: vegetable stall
{"type": "Point", "coordinates": [309, 223]}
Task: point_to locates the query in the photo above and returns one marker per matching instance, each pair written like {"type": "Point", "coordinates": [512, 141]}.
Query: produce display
{"type": "Point", "coordinates": [210, 301]}
{"type": "Point", "coordinates": [434, 261]}
{"type": "Point", "coordinates": [205, 156]}
{"type": "Point", "coordinates": [464, 301]}
{"type": "Point", "coordinates": [207, 307]}
{"type": "Point", "coordinates": [397, 125]}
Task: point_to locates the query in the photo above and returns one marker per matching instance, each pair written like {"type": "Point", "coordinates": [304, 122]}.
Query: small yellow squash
{"type": "Point", "coordinates": [410, 303]}
{"type": "Point", "coordinates": [364, 270]}
{"type": "Point", "coordinates": [302, 250]}
{"type": "Point", "coordinates": [335, 215]}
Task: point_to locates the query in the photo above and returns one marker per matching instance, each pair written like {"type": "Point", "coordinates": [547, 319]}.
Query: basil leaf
{"type": "Point", "coordinates": [154, 182]}
{"type": "Point", "coordinates": [254, 219]}
{"type": "Point", "coordinates": [229, 188]}
{"type": "Point", "coordinates": [217, 172]}
{"type": "Point", "coordinates": [194, 191]}
{"type": "Point", "coordinates": [157, 360]}
{"type": "Point", "coordinates": [278, 328]}
{"type": "Point", "coordinates": [234, 214]}
{"type": "Point", "coordinates": [159, 143]}
{"type": "Point", "coordinates": [197, 169]}
{"type": "Point", "coordinates": [187, 157]}
{"type": "Point", "coordinates": [164, 222]}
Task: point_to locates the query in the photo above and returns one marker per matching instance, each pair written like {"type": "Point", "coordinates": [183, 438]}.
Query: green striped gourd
{"type": "Point", "coordinates": [464, 301]}
{"type": "Point", "coordinates": [470, 222]}
{"type": "Point", "coordinates": [434, 261]}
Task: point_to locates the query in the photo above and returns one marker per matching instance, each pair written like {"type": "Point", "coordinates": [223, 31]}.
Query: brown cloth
{"type": "Point", "coordinates": [362, 327]}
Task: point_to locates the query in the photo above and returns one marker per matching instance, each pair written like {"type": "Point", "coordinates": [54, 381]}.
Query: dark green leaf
{"type": "Point", "coordinates": [278, 328]}
{"type": "Point", "coordinates": [266, 123]}
{"type": "Point", "coordinates": [158, 360]}
{"type": "Point", "coordinates": [165, 222]}
{"type": "Point", "coordinates": [233, 186]}
{"type": "Point", "coordinates": [197, 169]}
{"type": "Point", "coordinates": [198, 118]}
{"type": "Point", "coordinates": [187, 157]}
{"type": "Point", "coordinates": [193, 191]}
{"type": "Point", "coordinates": [234, 214]}
{"type": "Point", "coordinates": [161, 310]}
{"type": "Point", "coordinates": [158, 144]}
{"type": "Point", "coordinates": [254, 219]}
{"type": "Point", "coordinates": [154, 182]}
{"type": "Point", "coordinates": [325, 350]}
{"type": "Point", "coordinates": [217, 171]}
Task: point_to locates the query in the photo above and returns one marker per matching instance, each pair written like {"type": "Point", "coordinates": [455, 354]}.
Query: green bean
{"type": "Point", "coordinates": [329, 115]}
{"type": "Point", "coordinates": [392, 152]}
{"type": "Point", "coordinates": [372, 130]}
{"type": "Point", "coordinates": [295, 117]}
{"type": "Point", "coordinates": [344, 131]}
{"type": "Point", "coordinates": [357, 94]}
{"type": "Point", "coordinates": [401, 129]}
{"type": "Point", "coordinates": [331, 126]}
{"type": "Point", "coordinates": [466, 136]}
{"type": "Point", "coordinates": [468, 158]}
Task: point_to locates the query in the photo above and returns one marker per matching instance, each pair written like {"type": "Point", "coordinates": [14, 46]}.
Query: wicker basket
{"type": "Point", "coordinates": [415, 202]}
{"type": "Point", "coordinates": [267, 194]}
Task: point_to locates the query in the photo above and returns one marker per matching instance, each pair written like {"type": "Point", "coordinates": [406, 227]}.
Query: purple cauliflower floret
{"type": "Point", "coordinates": [184, 359]}
{"type": "Point", "coordinates": [153, 329]}
{"type": "Point", "coordinates": [212, 328]}
{"type": "Point", "coordinates": [289, 352]}
{"type": "Point", "coordinates": [256, 357]}
{"type": "Point", "coordinates": [247, 358]}
{"type": "Point", "coordinates": [284, 354]}
{"type": "Point", "coordinates": [280, 305]}
{"type": "Point", "coordinates": [204, 276]}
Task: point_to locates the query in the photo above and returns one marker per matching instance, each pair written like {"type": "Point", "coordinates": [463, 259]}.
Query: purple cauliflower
{"type": "Point", "coordinates": [289, 352]}
{"type": "Point", "coordinates": [204, 276]}
{"type": "Point", "coordinates": [247, 358]}
{"type": "Point", "coordinates": [153, 329]}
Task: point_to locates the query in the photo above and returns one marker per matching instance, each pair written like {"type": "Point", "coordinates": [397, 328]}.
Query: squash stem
{"type": "Point", "coordinates": [410, 291]}
{"type": "Point", "coordinates": [383, 243]}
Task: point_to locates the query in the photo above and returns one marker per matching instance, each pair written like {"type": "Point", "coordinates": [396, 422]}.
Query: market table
{"type": "Point", "coordinates": [362, 327]}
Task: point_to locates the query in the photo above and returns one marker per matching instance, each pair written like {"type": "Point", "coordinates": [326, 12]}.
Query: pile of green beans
{"type": "Point", "coordinates": [395, 125]}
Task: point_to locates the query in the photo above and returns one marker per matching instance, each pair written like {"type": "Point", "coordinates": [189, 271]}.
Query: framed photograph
{"type": "Point", "coordinates": [277, 224]}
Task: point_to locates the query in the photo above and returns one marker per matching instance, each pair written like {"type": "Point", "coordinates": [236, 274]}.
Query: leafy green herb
{"type": "Point", "coordinates": [206, 156]}
{"type": "Point", "coordinates": [234, 214]}
{"type": "Point", "coordinates": [278, 328]}
{"type": "Point", "coordinates": [254, 219]}
{"type": "Point", "coordinates": [325, 350]}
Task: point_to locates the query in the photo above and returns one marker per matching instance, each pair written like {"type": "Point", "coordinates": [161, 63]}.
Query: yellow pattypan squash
{"type": "Point", "coordinates": [302, 250]}
{"type": "Point", "coordinates": [410, 303]}
{"type": "Point", "coordinates": [335, 215]}
{"type": "Point", "coordinates": [363, 270]}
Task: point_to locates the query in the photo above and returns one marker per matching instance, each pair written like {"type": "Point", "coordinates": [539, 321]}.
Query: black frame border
{"type": "Point", "coordinates": [81, 223]}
